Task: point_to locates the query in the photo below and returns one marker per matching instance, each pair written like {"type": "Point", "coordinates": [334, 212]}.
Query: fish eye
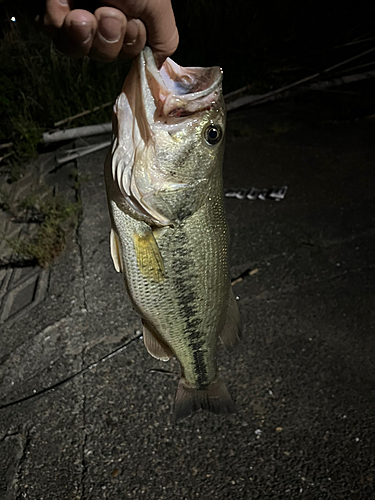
{"type": "Point", "coordinates": [212, 134]}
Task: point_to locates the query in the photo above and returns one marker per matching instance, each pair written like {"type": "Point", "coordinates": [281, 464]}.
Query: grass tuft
{"type": "Point", "coordinates": [40, 86]}
{"type": "Point", "coordinates": [57, 217]}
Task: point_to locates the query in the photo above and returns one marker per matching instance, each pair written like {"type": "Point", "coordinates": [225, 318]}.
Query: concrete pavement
{"type": "Point", "coordinates": [303, 378]}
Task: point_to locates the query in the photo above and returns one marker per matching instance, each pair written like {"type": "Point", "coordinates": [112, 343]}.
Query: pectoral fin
{"type": "Point", "coordinates": [231, 332]}
{"type": "Point", "coordinates": [149, 259]}
{"type": "Point", "coordinates": [155, 346]}
{"type": "Point", "coordinates": [115, 251]}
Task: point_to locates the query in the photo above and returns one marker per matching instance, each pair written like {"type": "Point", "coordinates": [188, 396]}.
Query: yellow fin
{"type": "Point", "coordinates": [115, 251]}
{"type": "Point", "coordinates": [149, 259]}
{"type": "Point", "coordinates": [154, 345]}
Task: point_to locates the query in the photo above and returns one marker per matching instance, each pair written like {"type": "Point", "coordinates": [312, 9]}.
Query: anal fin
{"type": "Point", "coordinates": [231, 333]}
{"type": "Point", "coordinates": [214, 398]}
{"type": "Point", "coordinates": [154, 345]}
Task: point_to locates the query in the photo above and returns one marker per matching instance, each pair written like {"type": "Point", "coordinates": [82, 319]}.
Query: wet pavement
{"type": "Point", "coordinates": [94, 418]}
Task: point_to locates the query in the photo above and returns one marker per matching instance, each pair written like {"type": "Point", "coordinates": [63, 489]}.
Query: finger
{"type": "Point", "coordinates": [75, 37]}
{"type": "Point", "coordinates": [135, 39]}
{"type": "Point", "coordinates": [158, 17]}
{"type": "Point", "coordinates": [109, 36]}
{"type": "Point", "coordinates": [162, 34]}
{"type": "Point", "coordinates": [54, 16]}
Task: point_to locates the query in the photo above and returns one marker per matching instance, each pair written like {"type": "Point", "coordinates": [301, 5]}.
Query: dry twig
{"type": "Point", "coordinates": [6, 156]}
{"type": "Point", "coordinates": [79, 152]}
{"type": "Point", "coordinates": [79, 115]}
{"type": "Point", "coordinates": [253, 100]}
{"type": "Point", "coordinates": [73, 133]}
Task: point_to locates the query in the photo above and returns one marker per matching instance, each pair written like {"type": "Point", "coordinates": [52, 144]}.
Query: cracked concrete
{"type": "Point", "coordinates": [13, 448]}
{"type": "Point", "coordinates": [94, 418]}
{"type": "Point", "coordinates": [10, 375]}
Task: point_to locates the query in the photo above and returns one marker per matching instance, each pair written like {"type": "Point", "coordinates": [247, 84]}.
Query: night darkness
{"type": "Point", "coordinates": [85, 412]}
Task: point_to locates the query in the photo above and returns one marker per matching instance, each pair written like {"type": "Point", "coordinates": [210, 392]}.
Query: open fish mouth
{"type": "Point", "coordinates": [177, 91]}
{"type": "Point", "coordinates": [148, 154]}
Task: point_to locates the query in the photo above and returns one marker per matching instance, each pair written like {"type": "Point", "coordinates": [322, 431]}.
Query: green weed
{"type": "Point", "coordinates": [79, 178]}
{"type": "Point", "coordinates": [40, 86]}
{"type": "Point", "coordinates": [57, 216]}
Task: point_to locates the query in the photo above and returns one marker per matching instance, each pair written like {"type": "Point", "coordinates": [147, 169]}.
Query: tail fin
{"type": "Point", "coordinates": [215, 398]}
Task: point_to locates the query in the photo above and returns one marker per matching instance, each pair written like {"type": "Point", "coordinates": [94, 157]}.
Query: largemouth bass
{"type": "Point", "coordinates": [169, 236]}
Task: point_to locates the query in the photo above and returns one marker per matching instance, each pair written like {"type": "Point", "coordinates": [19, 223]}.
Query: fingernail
{"type": "Point", "coordinates": [132, 32]}
{"type": "Point", "coordinates": [82, 31]}
{"type": "Point", "coordinates": [64, 2]}
{"type": "Point", "coordinates": [110, 29]}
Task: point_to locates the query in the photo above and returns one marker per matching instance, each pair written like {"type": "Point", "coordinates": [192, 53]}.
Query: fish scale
{"type": "Point", "coordinates": [173, 250]}
{"type": "Point", "coordinates": [186, 314]}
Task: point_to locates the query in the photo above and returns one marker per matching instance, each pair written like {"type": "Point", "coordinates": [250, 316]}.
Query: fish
{"type": "Point", "coordinates": [169, 235]}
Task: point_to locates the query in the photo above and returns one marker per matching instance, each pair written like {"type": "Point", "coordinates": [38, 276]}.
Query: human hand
{"type": "Point", "coordinates": [111, 28]}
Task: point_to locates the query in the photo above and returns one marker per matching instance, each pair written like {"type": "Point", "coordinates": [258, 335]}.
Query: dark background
{"type": "Point", "coordinates": [252, 39]}
{"type": "Point", "coordinates": [303, 376]}
{"type": "Point", "coordinates": [264, 44]}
